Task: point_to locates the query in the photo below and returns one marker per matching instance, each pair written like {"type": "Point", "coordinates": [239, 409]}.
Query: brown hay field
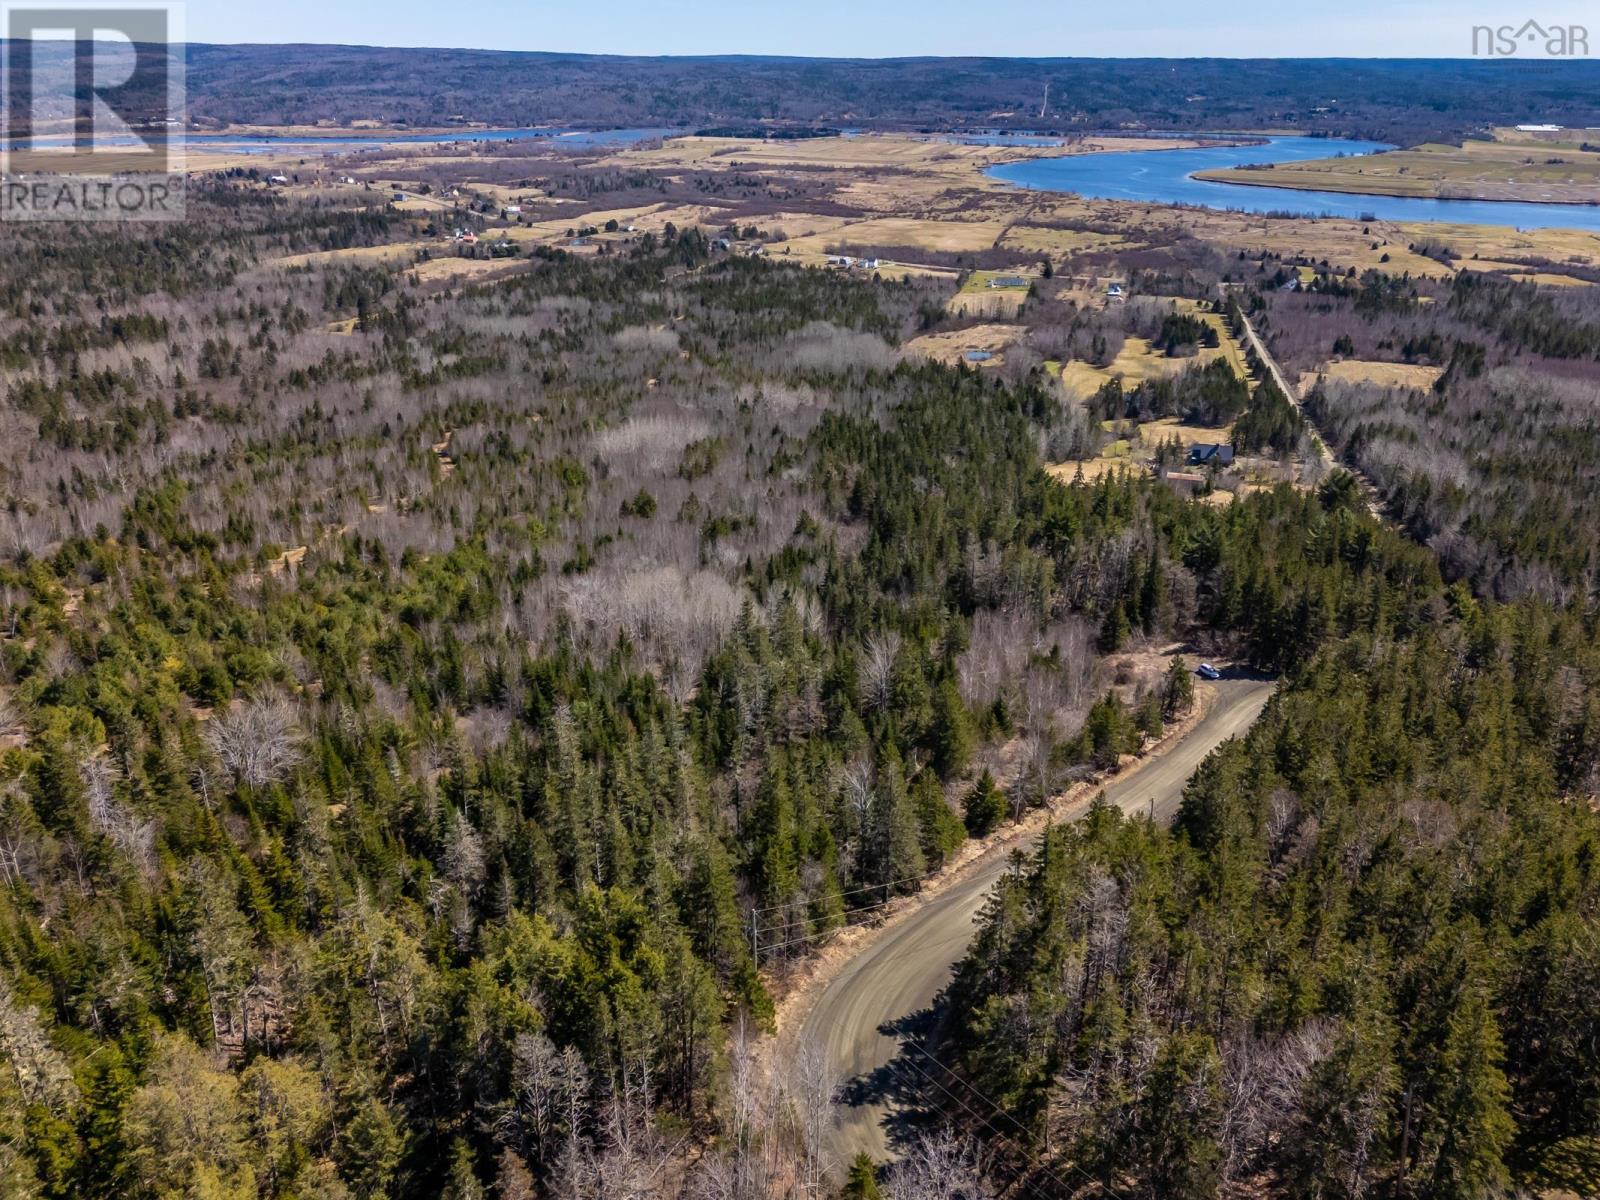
{"type": "Point", "coordinates": [1383, 374]}
{"type": "Point", "coordinates": [1060, 241]}
{"type": "Point", "coordinates": [950, 346]}
{"type": "Point", "coordinates": [1134, 363]}
{"type": "Point", "coordinates": [955, 236]}
{"type": "Point", "coordinates": [1499, 242]}
{"type": "Point", "coordinates": [397, 252]}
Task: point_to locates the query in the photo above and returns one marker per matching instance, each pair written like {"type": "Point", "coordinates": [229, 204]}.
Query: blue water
{"type": "Point", "coordinates": [1164, 177]}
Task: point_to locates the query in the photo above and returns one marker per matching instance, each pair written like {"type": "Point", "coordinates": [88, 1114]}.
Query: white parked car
{"type": "Point", "coordinates": [1207, 671]}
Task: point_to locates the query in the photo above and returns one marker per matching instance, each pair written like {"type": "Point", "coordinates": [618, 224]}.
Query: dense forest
{"type": "Point", "coordinates": [1362, 963]}
{"type": "Point", "coordinates": [403, 722]}
{"type": "Point", "coordinates": [1491, 457]}
{"type": "Point", "coordinates": [434, 716]}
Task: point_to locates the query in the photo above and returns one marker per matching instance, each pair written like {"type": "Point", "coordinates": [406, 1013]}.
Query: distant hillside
{"type": "Point", "coordinates": [1400, 100]}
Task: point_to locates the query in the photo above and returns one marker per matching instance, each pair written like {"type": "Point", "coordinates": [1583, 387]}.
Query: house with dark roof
{"type": "Point", "coordinates": [1211, 454]}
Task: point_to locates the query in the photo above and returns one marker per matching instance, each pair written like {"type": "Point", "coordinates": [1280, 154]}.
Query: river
{"type": "Point", "coordinates": [1166, 177]}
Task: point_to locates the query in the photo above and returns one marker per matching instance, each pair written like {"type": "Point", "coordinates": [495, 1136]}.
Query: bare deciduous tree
{"type": "Point", "coordinates": [112, 817]}
{"type": "Point", "coordinates": [10, 717]}
{"type": "Point", "coordinates": [939, 1166]}
{"type": "Point", "coordinates": [810, 1085]}
{"type": "Point", "coordinates": [258, 742]}
{"type": "Point", "coordinates": [877, 669]}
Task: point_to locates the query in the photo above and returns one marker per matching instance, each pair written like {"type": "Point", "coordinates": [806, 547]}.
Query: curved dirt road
{"type": "Point", "coordinates": [899, 974]}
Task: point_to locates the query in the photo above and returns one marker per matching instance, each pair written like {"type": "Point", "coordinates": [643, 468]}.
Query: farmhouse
{"type": "Point", "coordinates": [1114, 291]}
{"type": "Point", "coordinates": [1210, 454]}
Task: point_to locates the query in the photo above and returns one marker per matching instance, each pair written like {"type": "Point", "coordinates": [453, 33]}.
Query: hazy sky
{"type": "Point", "coordinates": [884, 28]}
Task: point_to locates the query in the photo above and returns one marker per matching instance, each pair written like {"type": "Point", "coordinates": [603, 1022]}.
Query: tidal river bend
{"type": "Point", "coordinates": [1166, 177]}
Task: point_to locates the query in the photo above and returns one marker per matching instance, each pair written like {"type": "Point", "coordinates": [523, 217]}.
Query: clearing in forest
{"type": "Point", "coordinates": [1385, 374]}
{"type": "Point", "coordinates": [953, 346]}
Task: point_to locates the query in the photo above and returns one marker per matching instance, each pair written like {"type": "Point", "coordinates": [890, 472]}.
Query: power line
{"type": "Point", "coordinates": [981, 1119]}
{"type": "Point", "coordinates": [823, 933]}
{"type": "Point", "coordinates": [1033, 1159]}
{"type": "Point", "coordinates": [756, 945]}
{"type": "Point", "coordinates": [875, 887]}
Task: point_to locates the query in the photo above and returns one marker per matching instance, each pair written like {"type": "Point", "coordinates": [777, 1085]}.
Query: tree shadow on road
{"type": "Point", "coordinates": [907, 1083]}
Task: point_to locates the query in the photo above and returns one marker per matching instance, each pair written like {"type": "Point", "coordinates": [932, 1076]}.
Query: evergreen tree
{"type": "Point", "coordinates": [985, 806]}
{"type": "Point", "coordinates": [1177, 692]}
{"type": "Point", "coordinates": [940, 830]}
{"type": "Point", "coordinates": [952, 734]}
{"type": "Point", "coordinates": [1178, 1120]}
{"type": "Point", "coordinates": [862, 1181]}
{"type": "Point", "coordinates": [895, 836]}
{"type": "Point", "coordinates": [1467, 1129]}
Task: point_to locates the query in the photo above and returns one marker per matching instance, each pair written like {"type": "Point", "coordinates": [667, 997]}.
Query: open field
{"type": "Point", "coordinates": [1547, 279]}
{"type": "Point", "coordinates": [1041, 240]}
{"type": "Point", "coordinates": [1136, 362]}
{"type": "Point", "coordinates": [364, 255]}
{"type": "Point", "coordinates": [863, 152]}
{"type": "Point", "coordinates": [983, 295]}
{"type": "Point", "coordinates": [949, 347]}
{"type": "Point", "coordinates": [1539, 173]}
{"type": "Point", "coordinates": [1384, 374]}
{"type": "Point", "coordinates": [982, 282]}
{"type": "Point", "coordinates": [652, 217]}
{"type": "Point", "coordinates": [453, 267]}
{"type": "Point", "coordinates": [1498, 244]}
{"type": "Point", "coordinates": [875, 172]}
{"type": "Point", "coordinates": [957, 236]}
